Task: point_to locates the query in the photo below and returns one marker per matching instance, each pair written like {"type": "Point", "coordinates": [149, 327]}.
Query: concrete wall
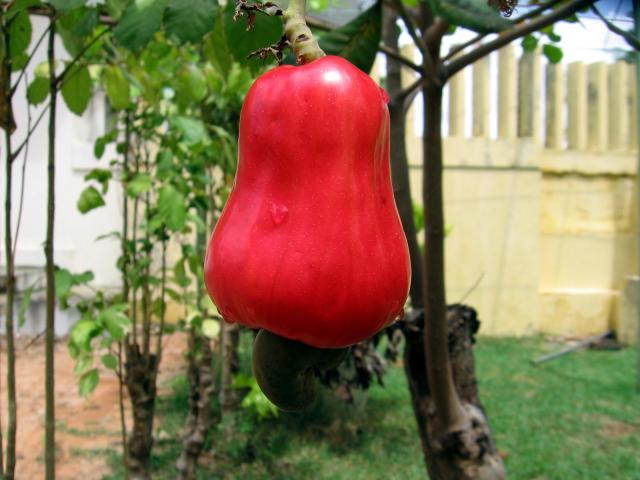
{"type": "Point", "coordinates": [76, 247]}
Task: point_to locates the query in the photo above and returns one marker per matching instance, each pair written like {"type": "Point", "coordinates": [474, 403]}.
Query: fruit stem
{"type": "Point", "coordinates": [304, 45]}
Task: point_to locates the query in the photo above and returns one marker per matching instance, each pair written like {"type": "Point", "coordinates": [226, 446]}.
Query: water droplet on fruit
{"type": "Point", "coordinates": [278, 213]}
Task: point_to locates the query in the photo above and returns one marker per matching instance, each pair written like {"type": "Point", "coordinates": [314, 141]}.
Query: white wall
{"type": "Point", "coordinates": [75, 245]}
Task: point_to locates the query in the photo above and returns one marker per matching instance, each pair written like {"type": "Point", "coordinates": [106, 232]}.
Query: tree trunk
{"type": "Point", "coordinates": [398, 156]}
{"type": "Point", "coordinates": [230, 365]}
{"type": "Point", "coordinates": [470, 453]}
{"type": "Point", "coordinates": [455, 437]}
{"type": "Point", "coordinates": [12, 426]}
{"type": "Point", "coordinates": [50, 423]}
{"type": "Point", "coordinates": [141, 373]}
{"type": "Point", "coordinates": [460, 441]}
{"type": "Point", "coordinates": [201, 391]}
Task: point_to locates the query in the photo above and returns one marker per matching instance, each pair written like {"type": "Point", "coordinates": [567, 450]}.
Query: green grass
{"type": "Point", "coordinates": [574, 418]}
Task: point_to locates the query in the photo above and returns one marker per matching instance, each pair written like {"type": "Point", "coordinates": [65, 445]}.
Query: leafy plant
{"type": "Point", "coordinates": [254, 401]}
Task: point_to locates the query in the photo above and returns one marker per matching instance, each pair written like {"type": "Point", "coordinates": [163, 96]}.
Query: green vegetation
{"type": "Point", "coordinates": [574, 418]}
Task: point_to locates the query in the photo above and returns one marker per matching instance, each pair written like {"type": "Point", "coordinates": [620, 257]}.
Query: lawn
{"type": "Point", "coordinates": [577, 417]}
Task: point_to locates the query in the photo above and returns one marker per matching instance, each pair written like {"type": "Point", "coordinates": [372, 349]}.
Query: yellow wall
{"type": "Point", "coordinates": [544, 213]}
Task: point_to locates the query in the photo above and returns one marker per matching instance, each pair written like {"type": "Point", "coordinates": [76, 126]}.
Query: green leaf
{"type": "Point", "coordinates": [553, 53]}
{"type": "Point", "coordinates": [418, 216]}
{"type": "Point", "coordinates": [193, 130]}
{"type": "Point", "coordinates": [139, 184]}
{"type": "Point", "coordinates": [102, 142]}
{"type": "Point", "coordinates": [475, 15]}
{"type": "Point", "coordinates": [42, 70]}
{"type": "Point", "coordinates": [109, 361]}
{"type": "Point", "coordinates": [171, 208]}
{"type": "Point", "coordinates": [111, 235]}
{"type": "Point", "coordinates": [211, 328]}
{"type": "Point", "coordinates": [24, 306]}
{"type": "Point", "coordinates": [90, 199]}
{"type": "Point", "coordinates": [19, 61]}
{"type": "Point", "coordinates": [216, 49]}
{"type": "Point", "coordinates": [84, 363]}
{"type": "Point", "coordinates": [199, 223]}
{"type": "Point", "coordinates": [266, 31]}
{"type": "Point", "coordinates": [100, 175]}
{"type": "Point", "coordinates": [20, 33]}
{"type": "Point", "coordinates": [66, 5]}
{"type": "Point", "coordinates": [76, 89]}
{"type": "Point", "coordinates": [63, 281]}
{"type": "Point", "coordinates": [319, 5]}
{"type": "Point", "coordinates": [20, 5]}
{"type": "Point", "coordinates": [192, 85]}
{"type": "Point", "coordinates": [82, 278]}
{"type": "Point", "coordinates": [180, 275]}
{"type": "Point", "coordinates": [117, 87]}
{"type": "Point", "coordinates": [358, 40]}
{"type": "Point", "coordinates": [88, 382]}
{"type": "Point", "coordinates": [115, 321]}
{"type": "Point", "coordinates": [529, 43]}
{"type": "Point", "coordinates": [79, 22]}
{"type": "Point", "coordinates": [83, 332]}
{"type": "Point", "coordinates": [38, 90]}
{"type": "Point", "coordinates": [195, 265]}
{"type": "Point", "coordinates": [189, 20]}
{"type": "Point", "coordinates": [116, 7]}
{"type": "Point", "coordinates": [551, 35]}
{"type": "Point", "coordinates": [139, 22]}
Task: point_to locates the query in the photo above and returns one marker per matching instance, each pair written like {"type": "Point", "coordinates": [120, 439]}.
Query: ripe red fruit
{"type": "Point", "coordinates": [310, 245]}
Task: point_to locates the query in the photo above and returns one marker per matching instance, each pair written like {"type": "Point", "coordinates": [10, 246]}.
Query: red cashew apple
{"type": "Point", "coordinates": [310, 244]}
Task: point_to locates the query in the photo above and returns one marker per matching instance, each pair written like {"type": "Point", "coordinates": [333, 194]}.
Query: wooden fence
{"type": "Point", "coordinates": [539, 190]}
{"type": "Point", "coordinates": [574, 106]}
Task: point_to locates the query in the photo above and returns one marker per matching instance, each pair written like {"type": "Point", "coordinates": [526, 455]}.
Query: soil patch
{"type": "Point", "coordinates": [84, 426]}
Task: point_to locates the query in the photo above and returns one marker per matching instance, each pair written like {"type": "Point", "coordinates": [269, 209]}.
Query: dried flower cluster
{"type": "Point", "coordinates": [505, 6]}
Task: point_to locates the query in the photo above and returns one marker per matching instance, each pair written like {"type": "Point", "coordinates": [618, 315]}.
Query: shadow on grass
{"type": "Point", "coordinates": [293, 445]}
{"type": "Point", "coordinates": [576, 417]}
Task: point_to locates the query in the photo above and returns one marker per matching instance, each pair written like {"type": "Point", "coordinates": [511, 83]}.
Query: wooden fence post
{"type": "Point", "coordinates": [457, 97]}
{"type": "Point", "coordinates": [529, 95]}
{"type": "Point", "coordinates": [631, 105]}
{"type": "Point", "coordinates": [407, 77]}
{"type": "Point", "coordinates": [618, 107]}
{"type": "Point", "coordinates": [554, 138]}
{"type": "Point", "coordinates": [481, 98]}
{"type": "Point", "coordinates": [507, 93]}
{"type": "Point", "coordinates": [598, 114]}
{"type": "Point", "coordinates": [578, 127]}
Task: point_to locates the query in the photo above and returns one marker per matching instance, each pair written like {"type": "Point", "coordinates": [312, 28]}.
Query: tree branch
{"type": "Point", "coordinates": [44, 11]}
{"type": "Point", "coordinates": [411, 27]}
{"type": "Point", "coordinates": [389, 52]}
{"type": "Point", "coordinates": [17, 151]}
{"type": "Point", "coordinates": [71, 64]}
{"type": "Point", "coordinates": [33, 52]}
{"type": "Point", "coordinates": [514, 33]}
{"type": "Point", "coordinates": [628, 36]}
{"type": "Point", "coordinates": [532, 14]}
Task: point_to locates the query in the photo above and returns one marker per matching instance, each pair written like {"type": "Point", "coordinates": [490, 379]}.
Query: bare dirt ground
{"type": "Point", "coordinates": [83, 425]}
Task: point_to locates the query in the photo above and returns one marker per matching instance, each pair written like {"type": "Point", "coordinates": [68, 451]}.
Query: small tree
{"type": "Point", "coordinates": [453, 428]}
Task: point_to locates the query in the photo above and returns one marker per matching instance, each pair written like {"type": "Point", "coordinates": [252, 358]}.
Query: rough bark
{"type": "Point", "coordinates": [199, 420]}
{"type": "Point", "coordinates": [460, 445]}
{"type": "Point", "coordinates": [453, 429]}
{"type": "Point", "coordinates": [141, 373]}
{"type": "Point", "coordinates": [469, 453]}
